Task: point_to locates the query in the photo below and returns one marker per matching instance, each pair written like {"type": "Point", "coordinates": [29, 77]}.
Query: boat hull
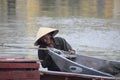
{"type": "Point", "coordinates": [67, 65]}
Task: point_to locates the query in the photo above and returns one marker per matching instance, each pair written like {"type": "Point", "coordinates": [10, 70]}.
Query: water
{"type": "Point", "coordinates": [91, 36]}
{"type": "Point", "coordinates": [89, 33]}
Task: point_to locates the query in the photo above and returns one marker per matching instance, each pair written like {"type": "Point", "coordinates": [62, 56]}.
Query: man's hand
{"type": "Point", "coordinates": [72, 51]}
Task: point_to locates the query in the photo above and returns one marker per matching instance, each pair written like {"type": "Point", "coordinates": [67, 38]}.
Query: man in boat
{"type": "Point", "coordinates": [45, 39]}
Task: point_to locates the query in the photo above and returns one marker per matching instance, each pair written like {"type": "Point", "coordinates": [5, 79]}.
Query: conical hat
{"type": "Point", "coordinates": [43, 31]}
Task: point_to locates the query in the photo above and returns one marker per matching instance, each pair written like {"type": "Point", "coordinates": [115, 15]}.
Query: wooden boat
{"type": "Point", "coordinates": [81, 64]}
{"type": "Point", "coordinates": [19, 69]}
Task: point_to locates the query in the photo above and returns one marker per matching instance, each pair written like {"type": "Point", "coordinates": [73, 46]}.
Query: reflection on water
{"type": "Point", "coordinates": [60, 8]}
{"type": "Point", "coordinates": [78, 21]}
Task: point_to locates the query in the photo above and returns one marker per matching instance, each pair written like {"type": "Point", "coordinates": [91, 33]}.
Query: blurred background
{"type": "Point", "coordinates": [92, 27]}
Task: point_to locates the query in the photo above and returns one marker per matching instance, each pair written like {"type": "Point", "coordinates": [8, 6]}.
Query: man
{"type": "Point", "coordinates": [45, 38]}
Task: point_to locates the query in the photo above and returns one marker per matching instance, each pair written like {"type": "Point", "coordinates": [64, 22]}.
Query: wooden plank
{"type": "Point", "coordinates": [19, 69]}
{"type": "Point", "coordinates": [22, 60]}
{"type": "Point", "coordinates": [19, 65]}
{"type": "Point", "coordinates": [19, 75]}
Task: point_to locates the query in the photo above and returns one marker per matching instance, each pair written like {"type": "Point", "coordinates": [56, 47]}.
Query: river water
{"type": "Point", "coordinates": [97, 36]}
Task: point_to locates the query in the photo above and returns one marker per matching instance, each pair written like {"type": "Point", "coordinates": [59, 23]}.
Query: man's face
{"type": "Point", "coordinates": [47, 39]}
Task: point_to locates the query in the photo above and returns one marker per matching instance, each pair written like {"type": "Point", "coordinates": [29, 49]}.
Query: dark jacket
{"type": "Point", "coordinates": [47, 62]}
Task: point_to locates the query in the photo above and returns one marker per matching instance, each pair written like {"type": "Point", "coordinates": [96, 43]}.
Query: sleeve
{"type": "Point", "coordinates": [45, 57]}
{"type": "Point", "coordinates": [46, 62]}
{"type": "Point", "coordinates": [41, 54]}
{"type": "Point", "coordinates": [64, 44]}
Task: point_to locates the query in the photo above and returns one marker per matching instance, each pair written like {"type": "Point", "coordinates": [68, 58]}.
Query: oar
{"type": "Point", "coordinates": [61, 52]}
{"type": "Point", "coordinates": [19, 47]}
{"type": "Point", "coordinates": [12, 46]}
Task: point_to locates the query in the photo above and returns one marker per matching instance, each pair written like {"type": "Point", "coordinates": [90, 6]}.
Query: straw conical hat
{"type": "Point", "coordinates": [43, 31]}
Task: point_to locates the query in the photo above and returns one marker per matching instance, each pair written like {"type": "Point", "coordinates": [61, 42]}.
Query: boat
{"type": "Point", "coordinates": [81, 64]}
{"type": "Point", "coordinates": [71, 69]}
{"type": "Point", "coordinates": [12, 68]}
{"type": "Point", "coordinates": [27, 69]}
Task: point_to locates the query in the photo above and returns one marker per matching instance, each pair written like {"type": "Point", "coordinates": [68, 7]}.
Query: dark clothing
{"type": "Point", "coordinates": [47, 62]}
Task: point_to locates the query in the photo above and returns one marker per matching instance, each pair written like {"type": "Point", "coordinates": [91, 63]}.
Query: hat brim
{"type": "Point", "coordinates": [53, 33]}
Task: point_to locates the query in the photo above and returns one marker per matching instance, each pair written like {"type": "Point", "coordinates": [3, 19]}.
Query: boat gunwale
{"type": "Point", "coordinates": [69, 74]}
